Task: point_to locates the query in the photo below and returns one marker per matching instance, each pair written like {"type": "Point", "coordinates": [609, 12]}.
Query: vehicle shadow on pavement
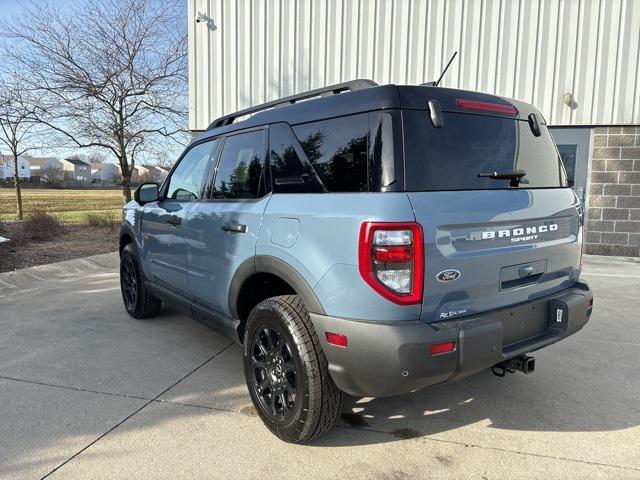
{"type": "Point", "coordinates": [555, 398]}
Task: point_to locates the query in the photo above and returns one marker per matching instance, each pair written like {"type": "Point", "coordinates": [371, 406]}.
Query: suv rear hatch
{"type": "Point", "coordinates": [489, 242]}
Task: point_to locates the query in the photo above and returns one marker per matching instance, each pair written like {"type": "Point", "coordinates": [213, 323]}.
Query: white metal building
{"type": "Point", "coordinates": [576, 60]}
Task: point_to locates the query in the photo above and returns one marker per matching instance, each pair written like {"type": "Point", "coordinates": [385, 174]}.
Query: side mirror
{"type": "Point", "coordinates": [145, 193]}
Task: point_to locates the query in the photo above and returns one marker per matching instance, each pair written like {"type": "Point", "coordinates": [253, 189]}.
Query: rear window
{"type": "Point", "coordinates": [452, 157]}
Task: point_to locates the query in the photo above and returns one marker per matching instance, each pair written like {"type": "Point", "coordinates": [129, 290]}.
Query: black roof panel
{"type": "Point", "coordinates": [365, 100]}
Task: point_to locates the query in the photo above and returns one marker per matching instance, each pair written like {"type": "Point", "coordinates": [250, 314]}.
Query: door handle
{"type": "Point", "coordinates": [174, 220]}
{"type": "Point", "coordinates": [234, 227]}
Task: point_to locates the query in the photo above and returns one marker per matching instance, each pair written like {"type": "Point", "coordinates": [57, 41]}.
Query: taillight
{"type": "Point", "coordinates": [486, 106]}
{"type": "Point", "coordinates": [391, 260]}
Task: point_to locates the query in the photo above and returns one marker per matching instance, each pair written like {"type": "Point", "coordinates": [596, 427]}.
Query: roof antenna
{"type": "Point", "coordinates": [446, 68]}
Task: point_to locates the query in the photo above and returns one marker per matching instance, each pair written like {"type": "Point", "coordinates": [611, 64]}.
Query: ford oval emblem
{"type": "Point", "coordinates": [448, 275]}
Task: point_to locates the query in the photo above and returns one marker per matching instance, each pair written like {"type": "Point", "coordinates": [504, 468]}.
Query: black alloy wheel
{"type": "Point", "coordinates": [273, 372]}
{"type": "Point", "coordinates": [129, 282]}
{"type": "Point", "coordinates": [286, 371]}
{"type": "Point", "coordinates": [138, 301]}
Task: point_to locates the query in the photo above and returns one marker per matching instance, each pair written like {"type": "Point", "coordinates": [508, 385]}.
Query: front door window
{"type": "Point", "coordinates": [186, 181]}
{"type": "Point", "coordinates": [239, 173]}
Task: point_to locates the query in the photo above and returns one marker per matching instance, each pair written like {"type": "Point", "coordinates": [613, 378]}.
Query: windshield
{"type": "Point", "coordinates": [477, 152]}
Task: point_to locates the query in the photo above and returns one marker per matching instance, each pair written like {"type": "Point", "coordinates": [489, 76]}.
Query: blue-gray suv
{"type": "Point", "coordinates": [365, 239]}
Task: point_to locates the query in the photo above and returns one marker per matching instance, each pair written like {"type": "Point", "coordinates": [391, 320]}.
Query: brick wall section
{"type": "Point", "coordinates": [613, 216]}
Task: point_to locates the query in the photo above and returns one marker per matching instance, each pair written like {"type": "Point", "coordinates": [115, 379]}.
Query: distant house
{"type": "Point", "coordinates": [141, 173]}
{"type": "Point", "coordinates": [7, 167]}
{"type": "Point", "coordinates": [148, 173]}
{"type": "Point", "coordinates": [153, 173]}
{"type": "Point", "coordinates": [105, 172]}
{"type": "Point", "coordinates": [72, 168]}
{"type": "Point", "coordinates": [36, 163]}
{"type": "Point", "coordinates": [166, 170]}
{"type": "Point", "coordinates": [81, 170]}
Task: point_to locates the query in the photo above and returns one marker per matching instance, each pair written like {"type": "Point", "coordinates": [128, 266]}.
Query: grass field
{"type": "Point", "coordinates": [70, 206]}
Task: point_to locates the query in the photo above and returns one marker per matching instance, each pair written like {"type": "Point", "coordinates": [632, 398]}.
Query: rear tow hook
{"type": "Point", "coordinates": [521, 363]}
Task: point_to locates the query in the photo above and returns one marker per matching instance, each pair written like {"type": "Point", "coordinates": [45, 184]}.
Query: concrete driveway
{"type": "Point", "coordinates": [87, 392]}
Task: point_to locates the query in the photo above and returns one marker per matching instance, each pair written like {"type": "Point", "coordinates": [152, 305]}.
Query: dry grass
{"type": "Point", "coordinates": [104, 219]}
{"type": "Point", "coordinates": [58, 225]}
{"type": "Point", "coordinates": [41, 226]}
{"type": "Point", "coordinates": [77, 241]}
{"type": "Point", "coordinates": [68, 206]}
{"type": "Point", "coordinates": [16, 234]}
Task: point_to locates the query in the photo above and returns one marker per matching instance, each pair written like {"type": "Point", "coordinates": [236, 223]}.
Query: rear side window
{"type": "Point", "coordinates": [289, 170]}
{"type": "Point", "coordinates": [239, 173]}
{"type": "Point", "coordinates": [452, 157]}
{"type": "Point", "coordinates": [337, 149]}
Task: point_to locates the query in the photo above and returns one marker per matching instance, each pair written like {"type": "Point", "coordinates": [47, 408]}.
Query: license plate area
{"type": "Point", "coordinates": [524, 322]}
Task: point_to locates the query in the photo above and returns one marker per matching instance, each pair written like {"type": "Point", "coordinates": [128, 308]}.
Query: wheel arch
{"type": "Point", "coordinates": [126, 236]}
{"type": "Point", "coordinates": [266, 266]}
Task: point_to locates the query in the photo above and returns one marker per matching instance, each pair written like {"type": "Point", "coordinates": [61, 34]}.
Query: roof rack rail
{"type": "Point", "coordinates": [318, 92]}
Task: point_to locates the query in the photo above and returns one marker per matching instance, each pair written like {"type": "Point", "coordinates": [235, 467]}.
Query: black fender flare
{"type": "Point", "coordinates": [126, 229]}
{"type": "Point", "coordinates": [279, 268]}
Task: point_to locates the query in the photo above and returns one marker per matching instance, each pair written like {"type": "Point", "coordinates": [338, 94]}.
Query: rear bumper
{"type": "Point", "coordinates": [384, 359]}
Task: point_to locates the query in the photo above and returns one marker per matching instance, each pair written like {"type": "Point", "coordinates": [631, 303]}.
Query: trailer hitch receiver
{"type": "Point", "coordinates": [521, 363]}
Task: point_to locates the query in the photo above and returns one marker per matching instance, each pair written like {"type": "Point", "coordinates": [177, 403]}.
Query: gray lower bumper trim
{"type": "Point", "coordinates": [386, 359]}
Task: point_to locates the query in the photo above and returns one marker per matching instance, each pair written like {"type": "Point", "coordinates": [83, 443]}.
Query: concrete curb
{"type": "Point", "coordinates": [69, 270]}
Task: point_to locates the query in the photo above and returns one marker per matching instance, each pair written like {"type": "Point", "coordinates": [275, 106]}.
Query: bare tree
{"type": "Point", "coordinates": [112, 76]}
{"type": "Point", "coordinates": [96, 157]}
{"type": "Point", "coordinates": [16, 126]}
{"type": "Point", "coordinates": [163, 159]}
{"type": "Point", "coordinates": [53, 176]}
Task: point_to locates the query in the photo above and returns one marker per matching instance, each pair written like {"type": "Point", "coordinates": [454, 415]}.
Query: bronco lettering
{"type": "Point", "coordinates": [516, 234]}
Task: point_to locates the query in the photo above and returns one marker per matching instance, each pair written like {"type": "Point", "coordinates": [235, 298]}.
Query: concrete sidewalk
{"type": "Point", "coordinates": [87, 392]}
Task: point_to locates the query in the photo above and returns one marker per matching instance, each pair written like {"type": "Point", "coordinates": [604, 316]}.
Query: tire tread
{"type": "Point", "coordinates": [325, 400]}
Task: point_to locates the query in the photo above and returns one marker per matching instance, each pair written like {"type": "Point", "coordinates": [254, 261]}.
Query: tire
{"type": "Point", "coordinates": [298, 402]}
{"type": "Point", "coordinates": [137, 299]}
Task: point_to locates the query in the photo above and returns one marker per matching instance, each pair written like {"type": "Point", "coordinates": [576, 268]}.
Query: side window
{"type": "Point", "coordinates": [239, 173]}
{"type": "Point", "coordinates": [290, 174]}
{"type": "Point", "coordinates": [568, 154]}
{"type": "Point", "coordinates": [186, 180]}
{"type": "Point", "coordinates": [337, 149]}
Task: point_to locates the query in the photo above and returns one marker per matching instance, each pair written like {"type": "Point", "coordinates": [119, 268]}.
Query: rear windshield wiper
{"type": "Point", "coordinates": [514, 175]}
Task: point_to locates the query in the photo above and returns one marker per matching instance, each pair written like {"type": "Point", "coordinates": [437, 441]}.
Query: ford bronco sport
{"type": "Point", "coordinates": [374, 240]}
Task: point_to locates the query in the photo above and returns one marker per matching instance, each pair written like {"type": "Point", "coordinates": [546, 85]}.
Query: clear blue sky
{"type": "Point", "coordinates": [11, 8]}
{"type": "Point", "coordinates": [14, 7]}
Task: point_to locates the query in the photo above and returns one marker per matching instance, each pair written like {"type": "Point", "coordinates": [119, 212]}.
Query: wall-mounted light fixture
{"type": "Point", "coordinates": [569, 101]}
{"type": "Point", "coordinates": [206, 19]}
